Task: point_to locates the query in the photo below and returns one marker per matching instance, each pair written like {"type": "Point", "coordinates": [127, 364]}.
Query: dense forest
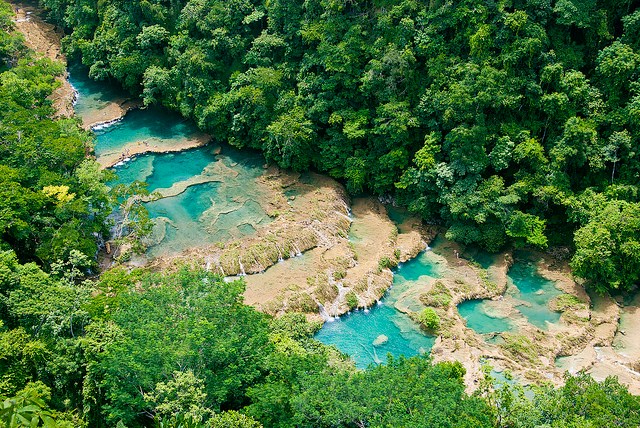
{"type": "Point", "coordinates": [344, 88]}
{"type": "Point", "coordinates": [510, 122]}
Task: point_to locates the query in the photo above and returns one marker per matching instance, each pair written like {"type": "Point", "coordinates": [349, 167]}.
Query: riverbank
{"type": "Point", "coordinates": [323, 254]}
{"type": "Point", "coordinates": [44, 38]}
{"type": "Point", "coordinates": [320, 249]}
{"type": "Point", "coordinates": [155, 145]}
{"type": "Point", "coordinates": [112, 112]}
{"type": "Point", "coordinates": [352, 272]}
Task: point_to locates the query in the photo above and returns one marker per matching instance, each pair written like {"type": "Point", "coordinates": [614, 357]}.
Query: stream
{"type": "Point", "coordinates": [206, 194]}
{"type": "Point", "coordinates": [361, 334]}
{"type": "Point", "coordinates": [209, 194]}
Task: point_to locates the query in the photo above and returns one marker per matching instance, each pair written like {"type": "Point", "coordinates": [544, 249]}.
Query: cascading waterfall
{"type": "Point", "coordinates": [346, 216]}
{"type": "Point", "coordinates": [242, 272]}
{"type": "Point", "coordinates": [297, 249]}
{"type": "Point", "coordinates": [324, 314]}
{"type": "Point", "coordinates": [355, 333]}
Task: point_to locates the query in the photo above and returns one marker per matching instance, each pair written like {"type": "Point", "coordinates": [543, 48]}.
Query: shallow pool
{"type": "Point", "coordinates": [481, 316]}
{"type": "Point", "coordinates": [534, 292]}
{"type": "Point", "coordinates": [355, 333]}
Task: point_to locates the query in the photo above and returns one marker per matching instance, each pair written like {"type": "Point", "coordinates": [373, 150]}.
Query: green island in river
{"type": "Point", "coordinates": [319, 214]}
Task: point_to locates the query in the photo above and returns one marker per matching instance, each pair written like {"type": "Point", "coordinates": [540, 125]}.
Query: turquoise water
{"type": "Point", "coordinates": [91, 95]}
{"type": "Point", "coordinates": [398, 215]}
{"type": "Point", "coordinates": [531, 291]}
{"type": "Point", "coordinates": [421, 265]}
{"type": "Point", "coordinates": [534, 291]}
{"type": "Point", "coordinates": [226, 207]}
{"type": "Point", "coordinates": [478, 316]}
{"type": "Point", "coordinates": [355, 333]}
{"type": "Point", "coordinates": [165, 169]}
{"type": "Point", "coordinates": [151, 126]}
{"type": "Point", "coordinates": [216, 197]}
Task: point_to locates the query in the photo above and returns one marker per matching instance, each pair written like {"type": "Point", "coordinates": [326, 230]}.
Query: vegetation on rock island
{"type": "Point", "coordinates": [505, 120]}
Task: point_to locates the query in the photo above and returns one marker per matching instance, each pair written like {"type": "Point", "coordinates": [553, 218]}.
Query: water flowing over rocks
{"type": "Point", "coordinates": [321, 251]}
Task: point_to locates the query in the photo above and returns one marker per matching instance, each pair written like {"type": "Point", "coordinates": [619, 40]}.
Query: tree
{"type": "Point", "coordinates": [580, 402]}
{"type": "Point", "coordinates": [190, 319]}
{"type": "Point", "coordinates": [608, 247]}
{"type": "Point", "coordinates": [28, 409]}
{"type": "Point", "coordinates": [183, 394]}
{"type": "Point", "coordinates": [404, 392]}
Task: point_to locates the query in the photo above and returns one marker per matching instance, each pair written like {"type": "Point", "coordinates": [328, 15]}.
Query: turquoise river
{"type": "Point", "coordinates": [209, 195]}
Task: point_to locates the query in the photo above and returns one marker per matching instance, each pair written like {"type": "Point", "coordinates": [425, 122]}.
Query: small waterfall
{"type": "Point", "coordinates": [378, 302]}
{"type": "Point", "coordinates": [323, 313]}
{"type": "Point", "coordinates": [102, 125]}
{"type": "Point", "coordinates": [346, 216]}
{"type": "Point", "coordinates": [222, 270]}
{"type": "Point", "coordinates": [258, 265]}
{"type": "Point", "coordinates": [242, 272]}
{"type": "Point", "coordinates": [208, 266]}
{"type": "Point", "coordinates": [342, 292]}
{"type": "Point", "coordinates": [76, 94]}
{"type": "Point", "coordinates": [295, 247]}
{"type": "Point", "coordinates": [280, 258]}
{"type": "Point", "coordinates": [366, 310]}
{"type": "Point", "coordinates": [322, 238]}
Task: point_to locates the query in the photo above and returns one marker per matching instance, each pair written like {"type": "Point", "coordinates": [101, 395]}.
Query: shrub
{"type": "Point", "coordinates": [429, 319]}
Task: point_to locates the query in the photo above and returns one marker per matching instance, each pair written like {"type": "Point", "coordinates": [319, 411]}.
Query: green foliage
{"type": "Point", "coordinates": [52, 199]}
{"type": "Point", "coordinates": [581, 402]}
{"type": "Point", "coordinates": [608, 246]}
{"type": "Point", "coordinates": [182, 395]}
{"type": "Point", "coordinates": [502, 121]}
{"type": "Point", "coordinates": [438, 296]}
{"type": "Point", "coordinates": [396, 394]}
{"type": "Point", "coordinates": [520, 347]}
{"type": "Point", "coordinates": [28, 409]}
{"type": "Point", "coordinates": [352, 300]}
{"type": "Point", "coordinates": [565, 302]}
{"type": "Point", "coordinates": [232, 419]}
{"type": "Point", "coordinates": [190, 319]}
{"type": "Point", "coordinates": [386, 263]}
{"type": "Point", "coordinates": [488, 118]}
{"type": "Point", "coordinates": [429, 319]}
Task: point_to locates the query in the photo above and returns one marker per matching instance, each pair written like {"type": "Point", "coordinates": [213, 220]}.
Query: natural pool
{"type": "Point", "coordinates": [528, 289]}
{"type": "Point", "coordinates": [91, 96]}
{"type": "Point", "coordinates": [207, 196]}
{"type": "Point", "coordinates": [355, 333]}
{"type": "Point", "coordinates": [534, 292]}
{"type": "Point", "coordinates": [149, 127]}
{"type": "Point", "coordinates": [481, 316]}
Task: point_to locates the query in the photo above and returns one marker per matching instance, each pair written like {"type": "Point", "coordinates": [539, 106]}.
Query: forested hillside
{"type": "Point", "coordinates": [510, 122]}
{"type": "Point", "coordinates": [140, 349]}
{"type": "Point", "coordinates": [54, 203]}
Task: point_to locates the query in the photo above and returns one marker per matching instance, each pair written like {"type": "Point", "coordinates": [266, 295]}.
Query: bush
{"type": "Point", "coordinates": [429, 319]}
{"type": "Point", "coordinates": [439, 296]}
{"type": "Point", "coordinates": [352, 300]}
